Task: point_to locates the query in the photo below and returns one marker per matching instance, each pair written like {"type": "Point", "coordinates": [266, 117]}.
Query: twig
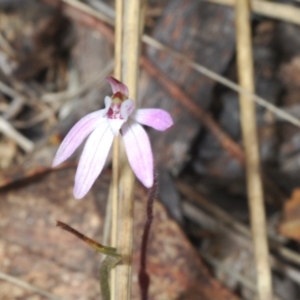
{"type": "Point", "coordinates": [7, 129]}
{"type": "Point", "coordinates": [92, 20]}
{"type": "Point", "coordinates": [225, 140]}
{"type": "Point", "coordinates": [229, 221]}
{"type": "Point", "coordinates": [28, 286]}
{"type": "Point", "coordinates": [4, 44]}
{"type": "Point", "coordinates": [8, 90]}
{"type": "Point", "coordinates": [19, 175]}
{"type": "Point", "coordinates": [111, 259]}
{"type": "Point", "coordinates": [14, 108]}
{"type": "Point", "coordinates": [93, 244]}
{"type": "Point", "coordinates": [89, 10]}
{"type": "Point", "coordinates": [32, 99]}
{"type": "Point", "coordinates": [214, 224]}
{"type": "Point", "coordinates": [68, 95]}
{"type": "Point", "coordinates": [249, 130]}
{"type": "Point", "coordinates": [33, 121]}
{"type": "Point", "coordinates": [245, 281]}
{"type": "Point", "coordinates": [248, 283]}
{"type": "Point", "coordinates": [217, 212]}
{"type": "Point", "coordinates": [103, 8]}
{"type": "Point", "coordinates": [270, 9]}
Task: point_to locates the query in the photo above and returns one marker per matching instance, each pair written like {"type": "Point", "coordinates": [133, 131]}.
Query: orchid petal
{"type": "Point", "coordinates": [127, 107]}
{"type": "Point", "coordinates": [92, 159]}
{"type": "Point", "coordinates": [115, 125]}
{"type": "Point", "coordinates": [153, 117]}
{"type": "Point", "coordinates": [77, 134]}
{"type": "Point", "coordinates": [139, 152]}
{"type": "Point", "coordinates": [107, 102]}
{"type": "Point", "coordinates": [117, 86]}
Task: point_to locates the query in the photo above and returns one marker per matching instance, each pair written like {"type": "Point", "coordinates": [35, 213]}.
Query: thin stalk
{"type": "Point", "coordinates": [27, 286]}
{"type": "Point", "coordinates": [130, 67]}
{"type": "Point", "coordinates": [144, 279]}
{"type": "Point", "coordinates": [116, 146]}
{"type": "Point", "coordinates": [248, 123]}
{"type": "Point", "coordinates": [278, 11]}
{"type": "Point", "coordinates": [118, 39]}
{"type": "Point", "coordinates": [111, 259]}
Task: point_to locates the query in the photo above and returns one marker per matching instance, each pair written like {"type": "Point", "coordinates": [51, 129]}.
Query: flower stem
{"type": "Point", "coordinates": [248, 124]}
{"type": "Point", "coordinates": [116, 145]}
{"type": "Point", "coordinates": [131, 39]}
{"type": "Point", "coordinates": [144, 279]}
{"type": "Point", "coordinates": [111, 259]}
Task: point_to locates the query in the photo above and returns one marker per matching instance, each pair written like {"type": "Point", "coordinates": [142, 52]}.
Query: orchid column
{"type": "Point", "coordinates": [128, 27]}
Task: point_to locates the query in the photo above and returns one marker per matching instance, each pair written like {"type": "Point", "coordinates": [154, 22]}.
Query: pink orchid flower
{"type": "Point", "coordinates": [102, 126]}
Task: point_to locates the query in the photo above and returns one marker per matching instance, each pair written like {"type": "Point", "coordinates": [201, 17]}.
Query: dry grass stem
{"type": "Point", "coordinates": [114, 195]}
{"type": "Point", "coordinates": [245, 281]}
{"type": "Point", "coordinates": [7, 129]}
{"type": "Point", "coordinates": [230, 222]}
{"type": "Point", "coordinates": [249, 130]}
{"type": "Point", "coordinates": [118, 39]}
{"type": "Point", "coordinates": [130, 67]}
{"type": "Point", "coordinates": [270, 9]}
{"type": "Point", "coordinates": [212, 223]}
{"type": "Point", "coordinates": [5, 89]}
{"type": "Point", "coordinates": [14, 108]}
{"type": "Point", "coordinates": [4, 44]}
{"type": "Point", "coordinates": [89, 10]}
{"type": "Point", "coordinates": [106, 233]}
{"type": "Point", "coordinates": [205, 220]}
{"type": "Point", "coordinates": [29, 287]}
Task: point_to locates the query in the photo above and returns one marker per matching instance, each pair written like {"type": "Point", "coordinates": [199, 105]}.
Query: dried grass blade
{"type": "Point", "coordinates": [249, 130]}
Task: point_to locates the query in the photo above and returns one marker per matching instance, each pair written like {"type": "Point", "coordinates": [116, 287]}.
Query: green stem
{"type": "Point", "coordinates": [109, 262]}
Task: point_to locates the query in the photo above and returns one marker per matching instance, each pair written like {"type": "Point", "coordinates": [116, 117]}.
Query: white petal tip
{"type": "Point", "coordinates": [78, 195]}
{"type": "Point", "coordinates": [148, 184]}
{"type": "Point", "coordinates": [55, 163]}
{"type": "Point", "coordinates": [79, 191]}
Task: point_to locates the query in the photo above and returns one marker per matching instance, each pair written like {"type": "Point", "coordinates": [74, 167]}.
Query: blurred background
{"type": "Point", "coordinates": [54, 58]}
